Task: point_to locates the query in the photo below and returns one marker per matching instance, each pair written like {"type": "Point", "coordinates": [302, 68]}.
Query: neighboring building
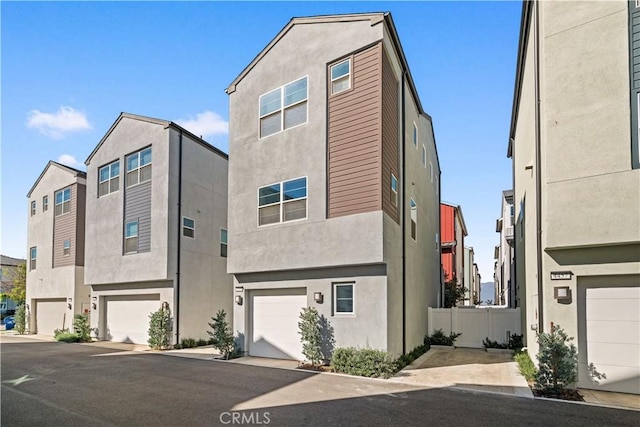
{"type": "Point", "coordinates": [471, 278]}
{"type": "Point", "coordinates": [156, 230]}
{"type": "Point", "coordinates": [574, 145]}
{"type": "Point", "coordinates": [55, 249]}
{"type": "Point", "coordinates": [8, 267]}
{"type": "Point", "coordinates": [334, 189]}
{"type": "Point", "coordinates": [475, 286]}
{"type": "Point", "coordinates": [505, 286]}
{"type": "Point", "coordinates": [452, 231]}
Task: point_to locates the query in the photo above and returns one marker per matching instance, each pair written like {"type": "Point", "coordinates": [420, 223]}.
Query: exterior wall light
{"type": "Point", "coordinates": [94, 306]}
{"type": "Point", "coordinates": [318, 297]}
{"type": "Point", "coordinates": [562, 293]}
{"type": "Point", "coordinates": [239, 299]}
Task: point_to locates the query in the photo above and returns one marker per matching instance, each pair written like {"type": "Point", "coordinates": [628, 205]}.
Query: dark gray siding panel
{"type": "Point", "coordinates": [64, 228]}
{"type": "Point", "coordinates": [137, 205]}
{"type": "Point", "coordinates": [80, 215]}
{"type": "Point", "coordinates": [634, 80]}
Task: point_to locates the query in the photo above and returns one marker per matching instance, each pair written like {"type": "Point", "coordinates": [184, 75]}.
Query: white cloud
{"type": "Point", "coordinates": [57, 125]}
{"type": "Point", "coordinates": [69, 160]}
{"type": "Point", "coordinates": [205, 124]}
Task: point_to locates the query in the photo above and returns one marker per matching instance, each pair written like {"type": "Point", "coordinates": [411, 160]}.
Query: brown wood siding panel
{"type": "Point", "coordinates": [64, 228]}
{"type": "Point", "coordinates": [80, 224]}
{"type": "Point", "coordinates": [354, 139]}
{"type": "Point", "coordinates": [389, 138]}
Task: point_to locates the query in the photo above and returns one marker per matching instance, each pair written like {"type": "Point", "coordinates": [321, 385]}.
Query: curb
{"type": "Point", "coordinates": [600, 405]}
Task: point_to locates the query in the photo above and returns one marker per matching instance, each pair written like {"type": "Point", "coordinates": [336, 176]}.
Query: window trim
{"type": "Point", "coordinates": [437, 241]}
{"type": "Point", "coordinates": [282, 108]}
{"type": "Point", "coordinates": [413, 231]}
{"type": "Point", "coordinates": [33, 257]}
{"type": "Point", "coordinates": [56, 204]}
{"type": "Point", "coordinates": [111, 178]}
{"type": "Point", "coordinates": [394, 191]}
{"type": "Point", "coordinates": [224, 242]}
{"type": "Point", "coordinates": [186, 227]}
{"type": "Point", "coordinates": [424, 158]}
{"type": "Point", "coordinates": [137, 169]}
{"type": "Point", "coordinates": [66, 247]}
{"type": "Point", "coordinates": [33, 208]}
{"type": "Point", "coordinates": [282, 202]}
{"type": "Point", "coordinates": [334, 299]}
{"type": "Point", "coordinates": [349, 75]}
{"type": "Point", "coordinates": [45, 203]}
{"type": "Point", "coordinates": [137, 221]}
{"type": "Point", "coordinates": [416, 136]}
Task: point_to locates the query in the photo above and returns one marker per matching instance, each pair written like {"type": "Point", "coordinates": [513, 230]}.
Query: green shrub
{"type": "Point", "coordinates": [57, 332]}
{"type": "Point", "coordinates": [365, 362]}
{"type": "Point", "coordinates": [188, 342]}
{"type": "Point", "coordinates": [439, 338]}
{"type": "Point", "coordinates": [557, 360]}
{"type": "Point", "coordinates": [515, 343]}
{"type": "Point", "coordinates": [82, 327]}
{"type": "Point", "coordinates": [221, 335]}
{"type": "Point", "coordinates": [526, 366]}
{"type": "Point", "coordinates": [310, 335]}
{"type": "Point", "coordinates": [201, 343]}
{"type": "Point", "coordinates": [68, 337]}
{"type": "Point", "coordinates": [407, 359]}
{"type": "Point", "coordinates": [159, 327]}
{"type": "Point", "coordinates": [21, 319]}
{"type": "Point", "coordinates": [177, 346]}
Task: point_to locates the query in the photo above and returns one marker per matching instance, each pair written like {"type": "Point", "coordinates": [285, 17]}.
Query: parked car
{"type": "Point", "coordinates": [9, 322]}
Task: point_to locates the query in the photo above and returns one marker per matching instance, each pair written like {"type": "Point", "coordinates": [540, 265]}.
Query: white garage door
{"type": "Point", "coordinates": [613, 338]}
{"type": "Point", "coordinates": [127, 317]}
{"type": "Point", "coordinates": [274, 324]}
{"type": "Point", "coordinates": [52, 314]}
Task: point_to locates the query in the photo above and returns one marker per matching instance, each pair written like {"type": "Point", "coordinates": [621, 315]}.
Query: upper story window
{"type": "Point", "coordinates": [139, 167]}
{"type": "Point", "coordinates": [343, 298]}
{"type": "Point", "coordinates": [394, 190]}
{"type": "Point", "coordinates": [341, 76]}
{"type": "Point", "coordinates": [33, 207]}
{"type": "Point", "coordinates": [282, 201]}
{"type": "Point", "coordinates": [188, 227]}
{"type": "Point", "coordinates": [109, 178]}
{"type": "Point", "coordinates": [283, 108]}
{"type": "Point", "coordinates": [63, 201]}
{"type": "Point", "coordinates": [66, 247]}
{"type": "Point", "coordinates": [414, 218]}
{"type": "Point", "coordinates": [437, 242]}
{"type": "Point", "coordinates": [415, 135]}
{"type": "Point", "coordinates": [223, 242]}
{"type": "Point", "coordinates": [33, 255]}
{"type": "Point", "coordinates": [45, 203]}
{"type": "Point", "coordinates": [424, 159]}
{"type": "Point", "coordinates": [131, 237]}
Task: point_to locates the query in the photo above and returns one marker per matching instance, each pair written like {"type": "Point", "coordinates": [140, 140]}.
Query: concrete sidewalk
{"type": "Point", "coordinates": [468, 369]}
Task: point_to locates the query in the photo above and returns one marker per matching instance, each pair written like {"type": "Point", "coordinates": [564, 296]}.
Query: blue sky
{"type": "Point", "coordinates": [69, 69]}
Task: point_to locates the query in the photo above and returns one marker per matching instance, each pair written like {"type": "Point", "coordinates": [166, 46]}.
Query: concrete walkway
{"type": "Point", "coordinates": [468, 369]}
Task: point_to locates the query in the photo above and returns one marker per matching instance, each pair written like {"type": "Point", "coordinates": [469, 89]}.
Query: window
{"type": "Point", "coordinates": [188, 227]}
{"type": "Point", "coordinates": [66, 247]}
{"type": "Point", "coordinates": [281, 202]}
{"type": "Point", "coordinates": [223, 242]}
{"type": "Point", "coordinates": [394, 191]}
{"type": "Point", "coordinates": [33, 255]}
{"type": "Point", "coordinates": [343, 298]}
{"type": "Point", "coordinates": [138, 167]}
{"type": "Point", "coordinates": [414, 218]}
{"type": "Point", "coordinates": [415, 135]}
{"type": "Point", "coordinates": [45, 203]}
{"type": "Point", "coordinates": [431, 170]}
{"type": "Point", "coordinates": [341, 76]}
{"type": "Point", "coordinates": [109, 178]}
{"type": "Point", "coordinates": [63, 201]}
{"type": "Point", "coordinates": [33, 207]}
{"type": "Point", "coordinates": [131, 237]}
{"type": "Point", "coordinates": [437, 242]}
{"type": "Point", "coordinates": [424, 159]}
{"type": "Point", "coordinates": [283, 108]}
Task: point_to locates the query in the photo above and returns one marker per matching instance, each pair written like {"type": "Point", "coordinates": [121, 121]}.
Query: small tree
{"type": "Point", "coordinates": [18, 292]}
{"type": "Point", "coordinates": [311, 335]}
{"type": "Point", "coordinates": [81, 327]}
{"type": "Point", "coordinates": [453, 293]}
{"type": "Point", "coordinates": [159, 327]}
{"type": "Point", "coordinates": [557, 360]}
{"type": "Point", "coordinates": [221, 335]}
{"type": "Point", "coordinates": [21, 319]}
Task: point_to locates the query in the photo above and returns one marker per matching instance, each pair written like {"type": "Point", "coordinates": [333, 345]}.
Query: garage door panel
{"type": "Point", "coordinates": [128, 318]}
{"type": "Point", "coordinates": [275, 326]}
{"type": "Point", "coordinates": [52, 315]}
{"type": "Point", "coordinates": [619, 379]}
{"type": "Point", "coordinates": [614, 331]}
{"type": "Point", "coordinates": [618, 354]}
{"type": "Point", "coordinates": [613, 309]}
{"type": "Point", "coordinates": [624, 293]}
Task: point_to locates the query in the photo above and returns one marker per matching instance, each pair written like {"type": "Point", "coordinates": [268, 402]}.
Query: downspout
{"type": "Point", "coordinates": [538, 171]}
{"type": "Point", "coordinates": [179, 259]}
{"type": "Point", "coordinates": [403, 222]}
